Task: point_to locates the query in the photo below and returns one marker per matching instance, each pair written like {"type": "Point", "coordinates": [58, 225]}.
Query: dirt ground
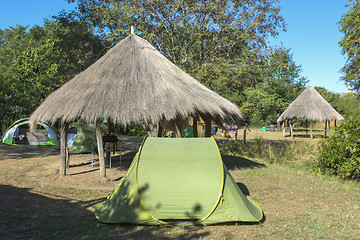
{"type": "Point", "coordinates": [45, 163]}
{"type": "Point", "coordinates": [82, 173]}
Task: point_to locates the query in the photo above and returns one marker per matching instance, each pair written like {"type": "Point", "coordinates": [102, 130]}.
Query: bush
{"type": "Point", "coordinates": [340, 153]}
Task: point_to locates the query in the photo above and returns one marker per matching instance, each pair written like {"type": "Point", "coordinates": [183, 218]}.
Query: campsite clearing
{"type": "Point", "coordinates": [36, 203]}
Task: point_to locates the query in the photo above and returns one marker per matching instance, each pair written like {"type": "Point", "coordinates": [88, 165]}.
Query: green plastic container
{"type": "Point", "coordinates": [264, 128]}
{"type": "Point", "coordinates": [272, 128]}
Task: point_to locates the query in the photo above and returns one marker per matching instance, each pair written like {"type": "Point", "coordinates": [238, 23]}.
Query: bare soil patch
{"type": "Point", "coordinates": [83, 173]}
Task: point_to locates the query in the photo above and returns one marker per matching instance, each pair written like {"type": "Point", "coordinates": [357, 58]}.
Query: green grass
{"type": "Point", "coordinates": [297, 204]}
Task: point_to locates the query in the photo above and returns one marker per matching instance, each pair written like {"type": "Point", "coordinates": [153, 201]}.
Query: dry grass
{"type": "Point", "coordinates": [297, 204]}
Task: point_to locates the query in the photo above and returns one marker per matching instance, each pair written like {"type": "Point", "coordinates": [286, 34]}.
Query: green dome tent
{"type": "Point", "coordinates": [178, 181]}
{"type": "Point", "coordinates": [19, 134]}
{"type": "Point", "coordinates": [79, 137]}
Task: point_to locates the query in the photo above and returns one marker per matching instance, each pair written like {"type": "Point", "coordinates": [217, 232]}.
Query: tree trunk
{"type": "Point", "coordinates": [100, 149]}
{"type": "Point", "coordinates": [63, 145]}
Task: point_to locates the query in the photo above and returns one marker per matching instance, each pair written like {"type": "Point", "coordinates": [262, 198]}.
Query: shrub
{"type": "Point", "coordinates": [340, 153]}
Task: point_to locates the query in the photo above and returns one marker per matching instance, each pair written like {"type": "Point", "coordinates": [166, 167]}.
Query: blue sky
{"type": "Point", "coordinates": [312, 32]}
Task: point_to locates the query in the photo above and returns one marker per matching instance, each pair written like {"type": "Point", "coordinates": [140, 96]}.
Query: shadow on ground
{"type": "Point", "coordinates": [24, 152]}
{"type": "Point", "coordinates": [29, 215]}
{"type": "Point", "coordinates": [235, 162]}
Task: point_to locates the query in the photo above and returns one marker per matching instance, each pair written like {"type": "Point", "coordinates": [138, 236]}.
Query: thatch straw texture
{"type": "Point", "coordinates": [312, 106]}
{"type": "Point", "coordinates": [133, 82]}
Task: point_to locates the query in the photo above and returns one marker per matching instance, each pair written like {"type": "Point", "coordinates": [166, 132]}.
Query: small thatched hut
{"type": "Point", "coordinates": [133, 82]}
{"type": "Point", "coordinates": [310, 105]}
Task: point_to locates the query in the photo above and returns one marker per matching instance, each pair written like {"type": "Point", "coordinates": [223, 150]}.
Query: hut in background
{"type": "Point", "coordinates": [133, 82]}
{"type": "Point", "coordinates": [310, 105]}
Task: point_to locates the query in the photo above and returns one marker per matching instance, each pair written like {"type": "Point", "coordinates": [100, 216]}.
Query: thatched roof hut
{"type": "Point", "coordinates": [310, 105]}
{"type": "Point", "coordinates": [133, 82]}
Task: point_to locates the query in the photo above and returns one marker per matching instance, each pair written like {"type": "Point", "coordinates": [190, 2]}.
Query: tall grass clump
{"type": "Point", "coordinates": [271, 151]}
{"type": "Point", "coordinates": [340, 154]}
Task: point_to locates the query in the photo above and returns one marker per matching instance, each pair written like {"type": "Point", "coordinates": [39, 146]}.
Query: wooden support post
{"type": "Point", "coordinates": [178, 130]}
{"type": "Point", "coordinates": [284, 128]}
{"type": "Point", "coordinates": [325, 129]}
{"type": "Point", "coordinates": [107, 144]}
{"type": "Point", "coordinates": [311, 133]}
{"type": "Point", "coordinates": [160, 129]}
{"type": "Point", "coordinates": [195, 131]}
{"type": "Point", "coordinates": [207, 125]}
{"type": "Point", "coordinates": [291, 130]}
{"type": "Point", "coordinates": [306, 123]}
{"type": "Point", "coordinates": [100, 149]}
{"type": "Point", "coordinates": [63, 146]}
{"type": "Point", "coordinates": [245, 129]}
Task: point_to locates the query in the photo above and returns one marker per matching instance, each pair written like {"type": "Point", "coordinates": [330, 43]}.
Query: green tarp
{"type": "Point", "coordinates": [178, 181]}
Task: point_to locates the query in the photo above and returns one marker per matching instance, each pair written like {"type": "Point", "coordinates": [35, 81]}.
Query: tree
{"type": "Point", "coordinates": [36, 61]}
{"type": "Point", "coordinates": [349, 25]}
{"type": "Point", "coordinates": [347, 105]}
{"type": "Point", "coordinates": [220, 43]}
{"type": "Point", "coordinates": [281, 82]}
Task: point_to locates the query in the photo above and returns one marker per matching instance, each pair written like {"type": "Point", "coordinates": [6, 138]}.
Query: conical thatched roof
{"type": "Point", "coordinates": [133, 82]}
{"type": "Point", "coordinates": [312, 106]}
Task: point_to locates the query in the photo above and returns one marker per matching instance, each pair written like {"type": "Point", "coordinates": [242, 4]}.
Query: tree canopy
{"type": "Point", "coordinates": [223, 44]}
{"type": "Point", "coordinates": [36, 61]}
{"type": "Point", "coordinates": [349, 25]}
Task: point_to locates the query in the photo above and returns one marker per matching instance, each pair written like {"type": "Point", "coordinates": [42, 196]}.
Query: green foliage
{"type": "Point", "coordinates": [349, 25]}
{"type": "Point", "coordinates": [340, 153]}
{"type": "Point", "coordinates": [219, 43]}
{"type": "Point", "coordinates": [347, 105]}
{"type": "Point", "coordinates": [281, 84]}
{"type": "Point", "coordinates": [36, 61]}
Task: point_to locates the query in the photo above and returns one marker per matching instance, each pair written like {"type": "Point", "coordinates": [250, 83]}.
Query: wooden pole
{"type": "Point", "coordinates": [108, 144]}
{"type": "Point", "coordinates": [325, 129]}
{"type": "Point", "coordinates": [284, 128]}
{"type": "Point", "coordinates": [291, 130]}
{"type": "Point", "coordinates": [160, 129]}
{"type": "Point", "coordinates": [207, 125]}
{"type": "Point", "coordinates": [178, 131]}
{"type": "Point", "coordinates": [335, 123]}
{"type": "Point", "coordinates": [245, 129]}
{"type": "Point", "coordinates": [311, 133]}
{"type": "Point", "coordinates": [306, 123]}
{"type": "Point", "coordinates": [195, 131]}
{"type": "Point", "coordinates": [63, 146]}
{"type": "Point", "coordinates": [100, 149]}
{"type": "Point", "coordinates": [67, 147]}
